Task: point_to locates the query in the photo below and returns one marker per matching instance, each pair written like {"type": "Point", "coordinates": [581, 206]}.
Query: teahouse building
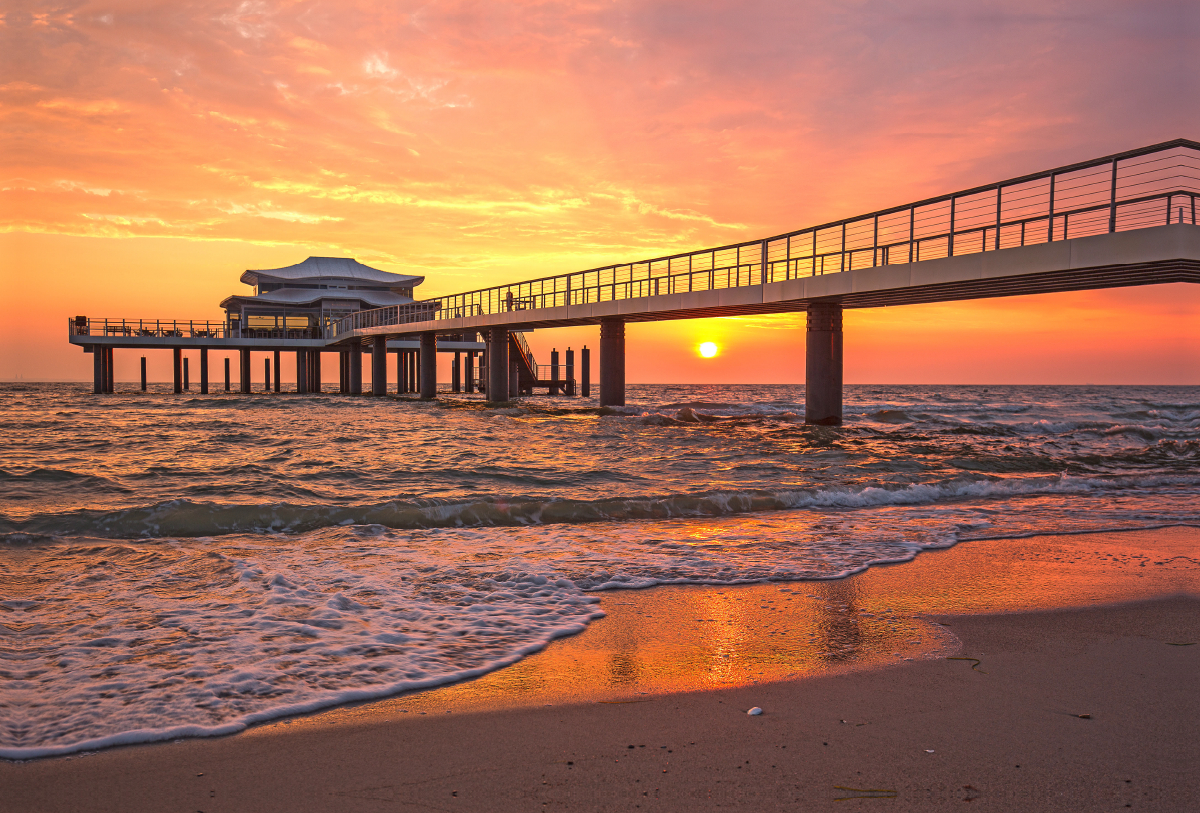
{"type": "Point", "coordinates": [300, 301]}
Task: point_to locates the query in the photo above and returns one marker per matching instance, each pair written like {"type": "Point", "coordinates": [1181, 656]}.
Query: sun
{"type": "Point", "coordinates": [708, 349]}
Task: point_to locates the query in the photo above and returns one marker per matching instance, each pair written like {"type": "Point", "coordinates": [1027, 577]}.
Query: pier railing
{"type": "Point", "coordinates": [149, 328]}
{"type": "Point", "coordinates": [1152, 186]}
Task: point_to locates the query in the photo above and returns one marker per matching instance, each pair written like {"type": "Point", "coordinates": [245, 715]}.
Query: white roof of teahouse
{"type": "Point", "coordinates": [331, 268]}
{"type": "Point", "coordinates": [300, 297]}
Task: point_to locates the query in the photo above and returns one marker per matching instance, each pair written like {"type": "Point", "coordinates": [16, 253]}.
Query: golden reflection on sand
{"type": "Point", "coordinates": [695, 637]}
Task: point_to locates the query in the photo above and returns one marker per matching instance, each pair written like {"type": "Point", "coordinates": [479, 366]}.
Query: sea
{"type": "Point", "coordinates": [187, 565]}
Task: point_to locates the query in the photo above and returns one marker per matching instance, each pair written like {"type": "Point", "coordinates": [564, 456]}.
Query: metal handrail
{"type": "Point", "coordinates": [1129, 190]}
{"type": "Point", "coordinates": [147, 328]}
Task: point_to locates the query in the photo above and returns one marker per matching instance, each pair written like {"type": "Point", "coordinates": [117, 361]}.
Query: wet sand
{"type": "Point", "coordinates": [1055, 673]}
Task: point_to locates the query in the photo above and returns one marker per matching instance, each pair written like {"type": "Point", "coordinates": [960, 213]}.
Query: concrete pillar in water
{"type": "Point", "coordinates": [244, 369]}
{"type": "Point", "coordinates": [144, 374]}
{"type": "Point", "coordinates": [203, 371]}
{"type": "Point", "coordinates": [177, 368]}
{"type": "Point", "coordinates": [612, 362]}
{"type": "Point", "coordinates": [379, 365]}
{"type": "Point", "coordinates": [456, 373]}
{"type": "Point", "coordinates": [554, 379]}
{"type": "Point", "coordinates": [585, 372]}
{"type": "Point", "coordinates": [314, 378]}
{"type": "Point", "coordinates": [266, 375]}
{"type": "Point", "coordinates": [301, 371]}
{"type": "Point", "coordinates": [278, 372]}
{"type": "Point", "coordinates": [402, 372]}
{"type": "Point", "coordinates": [227, 374]}
{"type": "Point", "coordinates": [187, 379]}
{"type": "Point", "coordinates": [428, 365]}
{"type": "Point", "coordinates": [570, 374]}
{"type": "Point", "coordinates": [514, 378]}
{"type": "Point", "coordinates": [356, 369]}
{"type": "Point", "coordinates": [470, 376]}
{"type": "Point", "coordinates": [497, 364]}
{"type": "Point", "coordinates": [343, 371]}
{"type": "Point", "coordinates": [97, 369]}
{"type": "Point", "coordinates": [823, 365]}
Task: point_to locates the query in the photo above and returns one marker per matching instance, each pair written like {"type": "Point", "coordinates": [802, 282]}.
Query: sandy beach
{"type": "Point", "coordinates": [1055, 673]}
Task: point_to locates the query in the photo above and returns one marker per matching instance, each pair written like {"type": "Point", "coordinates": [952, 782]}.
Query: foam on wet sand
{"type": "Point", "coordinates": [1058, 674]}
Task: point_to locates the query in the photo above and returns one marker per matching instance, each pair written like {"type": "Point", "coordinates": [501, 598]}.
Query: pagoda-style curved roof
{"type": "Point", "coordinates": [331, 268]}
{"type": "Point", "coordinates": [302, 297]}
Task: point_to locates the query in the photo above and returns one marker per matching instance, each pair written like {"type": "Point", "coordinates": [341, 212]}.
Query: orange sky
{"type": "Point", "coordinates": [153, 151]}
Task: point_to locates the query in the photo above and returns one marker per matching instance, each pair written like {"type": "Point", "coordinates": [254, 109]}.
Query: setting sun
{"type": "Point", "coordinates": [708, 349]}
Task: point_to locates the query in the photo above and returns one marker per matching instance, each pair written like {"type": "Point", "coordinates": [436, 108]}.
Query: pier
{"type": "Point", "coordinates": [1120, 220]}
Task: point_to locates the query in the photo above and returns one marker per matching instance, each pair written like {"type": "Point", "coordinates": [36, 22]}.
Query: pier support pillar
{"type": "Point", "coordinates": [278, 371]}
{"type": "Point", "coordinates": [428, 365]}
{"type": "Point", "coordinates": [823, 365]}
{"type": "Point", "coordinates": [227, 374]}
{"type": "Point", "coordinates": [402, 372]}
{"type": "Point", "coordinates": [301, 371]}
{"type": "Point", "coordinates": [187, 379]}
{"type": "Point", "coordinates": [612, 362]}
{"type": "Point", "coordinates": [585, 372]}
{"type": "Point", "coordinates": [470, 377]}
{"type": "Point", "coordinates": [177, 368]}
{"type": "Point", "coordinates": [555, 388]}
{"type": "Point", "coordinates": [356, 369]}
{"type": "Point", "coordinates": [314, 375]}
{"type": "Point", "coordinates": [379, 365]}
{"type": "Point", "coordinates": [497, 364]}
{"type": "Point", "coordinates": [514, 378]}
{"type": "Point", "coordinates": [569, 387]}
{"type": "Point", "coordinates": [244, 369]}
{"type": "Point", "coordinates": [456, 373]}
{"type": "Point", "coordinates": [203, 371]}
{"type": "Point", "coordinates": [108, 370]}
{"type": "Point", "coordinates": [266, 375]}
{"type": "Point", "coordinates": [343, 372]}
{"type": "Point", "coordinates": [144, 374]}
{"type": "Point", "coordinates": [98, 381]}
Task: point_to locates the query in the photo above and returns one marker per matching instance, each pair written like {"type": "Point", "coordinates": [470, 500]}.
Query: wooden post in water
{"type": "Point", "coordinates": [97, 369]}
{"type": "Point", "coordinates": [428, 365]}
{"type": "Point", "coordinates": [227, 374]}
{"type": "Point", "coordinates": [612, 362]}
{"type": "Point", "coordinates": [244, 369]}
{"type": "Point", "coordinates": [456, 373]}
{"type": "Point", "coordinates": [497, 364]}
{"type": "Point", "coordinates": [177, 369]}
{"type": "Point", "coordinates": [204, 371]}
{"type": "Point", "coordinates": [143, 373]}
{"type": "Point", "coordinates": [379, 365]}
{"type": "Point", "coordinates": [554, 388]}
{"type": "Point", "coordinates": [356, 369]}
{"type": "Point", "coordinates": [470, 371]}
{"type": "Point", "coordinates": [266, 375]}
{"type": "Point", "coordinates": [301, 371]}
{"type": "Point", "coordinates": [570, 385]}
{"type": "Point", "coordinates": [585, 372]}
{"type": "Point", "coordinates": [187, 379]}
{"type": "Point", "coordinates": [278, 373]}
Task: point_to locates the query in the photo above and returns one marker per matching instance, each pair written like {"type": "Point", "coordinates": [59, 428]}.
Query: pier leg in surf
{"type": "Point", "coordinates": [456, 373]}
{"type": "Point", "coordinates": [144, 373]}
{"type": "Point", "coordinates": [497, 364]}
{"type": "Point", "coordinates": [585, 372]}
{"type": "Point", "coordinates": [187, 381]}
{"type": "Point", "coordinates": [612, 362]}
{"type": "Point", "coordinates": [379, 365]}
{"type": "Point", "coordinates": [278, 372]}
{"type": "Point", "coordinates": [823, 365]}
{"type": "Point", "coordinates": [227, 374]}
{"type": "Point", "coordinates": [177, 369]}
{"type": "Point", "coordinates": [97, 369]}
{"type": "Point", "coordinates": [203, 371]}
{"type": "Point", "coordinates": [570, 384]}
{"type": "Point", "coordinates": [244, 369]}
{"type": "Point", "coordinates": [428, 365]}
{"type": "Point", "coordinates": [356, 370]}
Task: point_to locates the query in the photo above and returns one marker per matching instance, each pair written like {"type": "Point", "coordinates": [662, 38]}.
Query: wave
{"type": "Point", "coordinates": [187, 518]}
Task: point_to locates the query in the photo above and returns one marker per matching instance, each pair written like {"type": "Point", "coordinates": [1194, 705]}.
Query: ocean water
{"type": "Point", "coordinates": [187, 565]}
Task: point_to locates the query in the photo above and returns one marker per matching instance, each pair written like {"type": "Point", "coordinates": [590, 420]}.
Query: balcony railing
{"type": "Point", "coordinates": [1137, 189]}
{"type": "Point", "coordinates": [149, 328]}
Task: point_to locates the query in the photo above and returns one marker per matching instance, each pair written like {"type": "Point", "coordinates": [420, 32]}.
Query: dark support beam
{"type": "Point", "coordinates": [98, 380]}
{"type": "Point", "coordinates": [585, 372]}
{"type": "Point", "coordinates": [301, 371]}
{"type": "Point", "coordinates": [399, 372]}
{"type": "Point", "coordinates": [554, 379]}
{"type": "Point", "coordinates": [514, 377]}
{"type": "Point", "coordinates": [379, 365]}
{"type": "Point", "coordinates": [456, 373]}
{"type": "Point", "coordinates": [187, 378]}
{"type": "Point", "coordinates": [612, 362]}
{"type": "Point", "coordinates": [111, 368]}
{"type": "Point", "coordinates": [204, 371]}
{"type": "Point", "coordinates": [497, 364]}
{"type": "Point", "coordinates": [278, 373]}
{"type": "Point", "coordinates": [144, 374]}
{"type": "Point", "coordinates": [343, 371]}
{"type": "Point", "coordinates": [244, 369]}
{"type": "Point", "coordinates": [266, 375]}
{"type": "Point", "coordinates": [570, 387]}
{"type": "Point", "coordinates": [177, 368]}
{"type": "Point", "coordinates": [356, 369]}
{"type": "Point", "coordinates": [227, 374]}
{"type": "Point", "coordinates": [470, 377]}
{"type": "Point", "coordinates": [823, 365]}
{"type": "Point", "coordinates": [314, 377]}
{"type": "Point", "coordinates": [428, 365]}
